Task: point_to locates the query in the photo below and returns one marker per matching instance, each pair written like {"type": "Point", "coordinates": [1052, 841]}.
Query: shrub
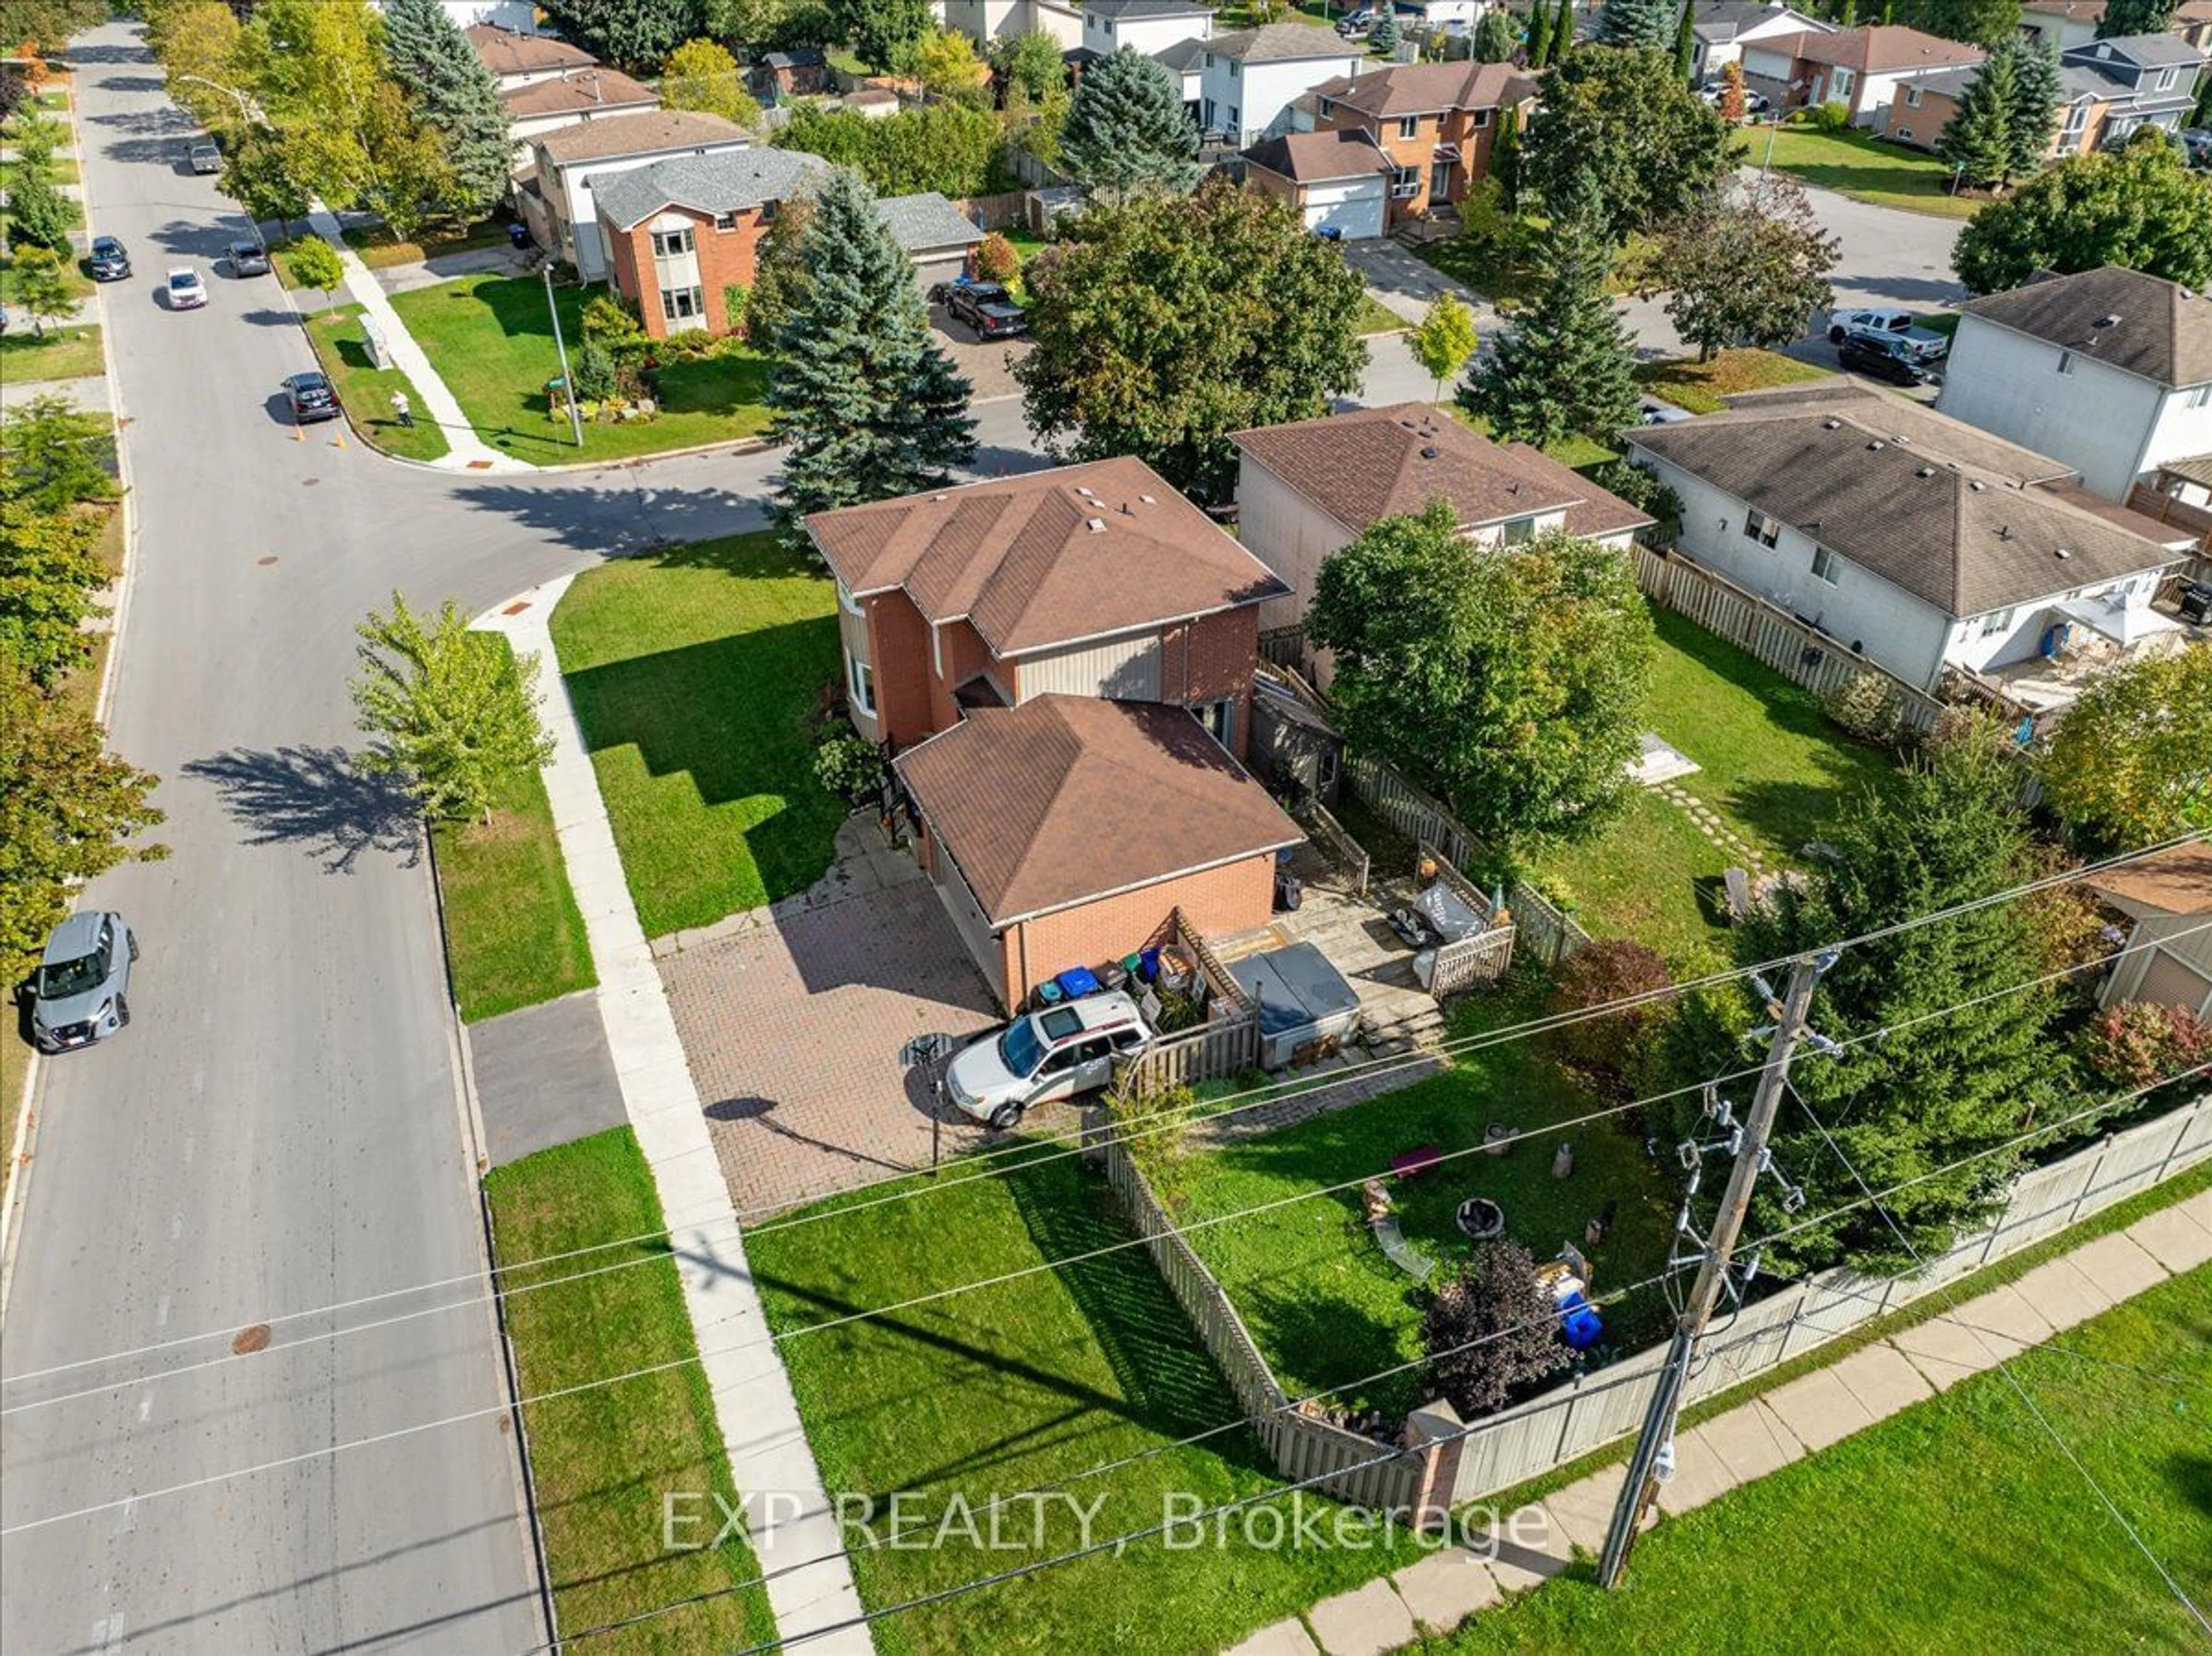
{"type": "Point", "coordinates": [2137, 1043]}
{"type": "Point", "coordinates": [1866, 705]}
{"type": "Point", "coordinates": [996, 259]}
{"type": "Point", "coordinates": [1831, 118]}
{"type": "Point", "coordinates": [1617, 1050]}
{"type": "Point", "coordinates": [1491, 1329]}
{"type": "Point", "coordinates": [847, 765]}
{"type": "Point", "coordinates": [613, 322]}
{"type": "Point", "coordinates": [736, 295]}
{"type": "Point", "coordinates": [594, 372]}
{"type": "Point", "coordinates": [1642, 488]}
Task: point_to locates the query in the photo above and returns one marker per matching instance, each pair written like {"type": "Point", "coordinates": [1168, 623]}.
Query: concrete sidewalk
{"type": "Point", "coordinates": [794, 1536]}
{"type": "Point", "coordinates": [468, 452]}
{"type": "Point", "coordinates": [1793, 1419]}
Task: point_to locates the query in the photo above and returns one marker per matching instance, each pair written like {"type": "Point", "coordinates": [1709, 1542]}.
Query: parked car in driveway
{"type": "Point", "coordinates": [2197, 143]}
{"type": "Point", "coordinates": [1056, 1053]}
{"type": "Point", "coordinates": [1882, 355]}
{"type": "Point", "coordinates": [1925, 343]}
{"type": "Point", "coordinates": [185, 290]}
{"type": "Point", "coordinates": [205, 158]}
{"type": "Point", "coordinates": [107, 261]}
{"type": "Point", "coordinates": [1754, 103]}
{"type": "Point", "coordinates": [983, 306]}
{"type": "Point", "coordinates": [248, 259]}
{"type": "Point", "coordinates": [80, 993]}
{"type": "Point", "coordinates": [312, 397]}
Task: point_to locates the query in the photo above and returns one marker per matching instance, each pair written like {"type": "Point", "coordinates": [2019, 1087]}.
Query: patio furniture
{"type": "Point", "coordinates": [1412, 931]}
{"type": "Point", "coordinates": [1410, 1163]}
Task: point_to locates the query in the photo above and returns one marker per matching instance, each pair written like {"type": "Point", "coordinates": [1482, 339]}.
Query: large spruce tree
{"type": "Point", "coordinates": [1127, 132]}
{"type": "Point", "coordinates": [1977, 141]}
{"type": "Point", "coordinates": [865, 400]}
{"type": "Point", "coordinates": [1637, 23]}
{"type": "Point", "coordinates": [455, 96]}
{"type": "Point", "coordinates": [2035, 97]}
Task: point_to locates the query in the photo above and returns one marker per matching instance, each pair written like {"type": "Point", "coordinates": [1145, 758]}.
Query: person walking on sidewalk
{"type": "Point", "coordinates": [404, 410]}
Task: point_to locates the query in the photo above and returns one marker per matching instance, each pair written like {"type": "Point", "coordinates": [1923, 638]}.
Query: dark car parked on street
{"type": "Point", "coordinates": [983, 306]}
{"type": "Point", "coordinates": [248, 259]}
{"type": "Point", "coordinates": [1884, 356]}
{"type": "Point", "coordinates": [311, 399]}
{"type": "Point", "coordinates": [107, 261]}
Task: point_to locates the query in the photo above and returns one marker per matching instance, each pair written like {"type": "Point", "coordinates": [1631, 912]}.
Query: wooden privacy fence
{"type": "Point", "coordinates": [1481, 958]}
{"type": "Point", "coordinates": [1226, 1044]}
{"type": "Point", "coordinates": [1569, 1421]}
{"type": "Point", "coordinates": [1312, 816]}
{"type": "Point", "coordinates": [1283, 647]}
{"type": "Point", "coordinates": [2166, 508]}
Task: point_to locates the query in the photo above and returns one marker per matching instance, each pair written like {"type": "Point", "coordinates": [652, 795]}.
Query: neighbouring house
{"type": "Point", "coordinates": [553, 101]}
{"type": "Point", "coordinates": [1186, 61]}
{"type": "Point", "coordinates": [1308, 489]}
{"type": "Point", "coordinates": [516, 16]}
{"type": "Point", "coordinates": [1859, 68]}
{"type": "Point", "coordinates": [1915, 540]}
{"type": "Point", "coordinates": [2110, 370]}
{"type": "Point", "coordinates": [985, 20]}
{"type": "Point", "coordinates": [1420, 17]}
{"type": "Point", "coordinates": [1720, 29]}
{"type": "Point", "coordinates": [876, 103]}
{"type": "Point", "coordinates": [1437, 122]}
{"type": "Point", "coordinates": [2066, 24]}
{"type": "Point", "coordinates": [1339, 180]}
{"type": "Point", "coordinates": [1147, 25]}
{"type": "Point", "coordinates": [801, 72]}
{"type": "Point", "coordinates": [2168, 954]}
{"type": "Point", "coordinates": [1250, 76]}
{"type": "Point", "coordinates": [1068, 830]}
{"type": "Point", "coordinates": [2105, 92]}
{"type": "Point", "coordinates": [556, 193]}
{"type": "Point", "coordinates": [937, 235]}
{"type": "Point", "coordinates": [517, 56]}
{"type": "Point", "coordinates": [681, 232]}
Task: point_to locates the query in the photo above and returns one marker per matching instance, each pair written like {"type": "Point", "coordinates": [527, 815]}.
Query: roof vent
{"type": "Point", "coordinates": [2109, 321]}
{"type": "Point", "coordinates": [1925, 471]}
{"type": "Point", "coordinates": [1831, 425]}
{"type": "Point", "coordinates": [1876, 446]}
{"type": "Point", "coordinates": [1430, 453]}
{"type": "Point", "coordinates": [1898, 437]}
{"type": "Point", "coordinates": [2063, 553]}
{"type": "Point", "coordinates": [1149, 500]}
{"type": "Point", "coordinates": [1976, 485]}
{"type": "Point", "coordinates": [1096, 525]}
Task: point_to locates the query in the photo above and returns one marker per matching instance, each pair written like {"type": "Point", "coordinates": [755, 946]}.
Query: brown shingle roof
{"type": "Point", "coordinates": [1877, 49]}
{"type": "Point", "coordinates": [2164, 331]}
{"type": "Point", "coordinates": [1383, 462]}
{"type": "Point", "coordinates": [579, 92]}
{"type": "Point", "coordinates": [1020, 557]}
{"type": "Point", "coordinates": [2179, 881]}
{"type": "Point", "coordinates": [503, 51]}
{"type": "Point", "coordinates": [1966, 539]}
{"type": "Point", "coordinates": [1068, 798]}
{"type": "Point", "coordinates": [642, 134]}
{"type": "Point", "coordinates": [1424, 88]}
{"type": "Point", "coordinates": [1319, 157]}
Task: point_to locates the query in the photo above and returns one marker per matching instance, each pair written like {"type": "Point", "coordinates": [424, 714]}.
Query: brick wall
{"type": "Point", "coordinates": [1234, 897]}
{"type": "Point", "coordinates": [899, 645]}
{"type": "Point", "coordinates": [1212, 659]}
{"type": "Point", "coordinates": [1455, 126]}
{"type": "Point", "coordinates": [726, 257]}
{"type": "Point", "coordinates": [962, 650]}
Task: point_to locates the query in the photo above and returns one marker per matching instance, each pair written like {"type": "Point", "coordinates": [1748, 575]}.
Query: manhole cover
{"type": "Point", "coordinates": [266, 562]}
{"type": "Point", "coordinates": [251, 1340]}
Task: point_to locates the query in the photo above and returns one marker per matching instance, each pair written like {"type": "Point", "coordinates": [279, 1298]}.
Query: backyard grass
{"type": "Point", "coordinates": [1700, 387]}
{"type": "Point", "coordinates": [514, 933]}
{"type": "Point", "coordinates": [380, 250]}
{"type": "Point", "coordinates": [603, 1458]}
{"type": "Point", "coordinates": [366, 391]}
{"type": "Point", "coordinates": [1311, 1283]}
{"type": "Point", "coordinates": [1864, 168]}
{"type": "Point", "coordinates": [492, 341]}
{"type": "Point", "coordinates": [1771, 766]}
{"type": "Point", "coordinates": [1956, 1526]}
{"type": "Point", "coordinates": [61, 354]}
{"type": "Point", "coordinates": [997, 1392]}
{"type": "Point", "coordinates": [697, 674]}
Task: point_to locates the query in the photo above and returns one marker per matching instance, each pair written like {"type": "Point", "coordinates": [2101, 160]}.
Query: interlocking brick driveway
{"type": "Point", "coordinates": [793, 1028]}
{"type": "Point", "coordinates": [984, 361]}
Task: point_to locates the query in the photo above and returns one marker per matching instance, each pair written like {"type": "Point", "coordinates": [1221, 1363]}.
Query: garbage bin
{"type": "Point", "coordinates": [1290, 891]}
{"type": "Point", "coordinates": [518, 235]}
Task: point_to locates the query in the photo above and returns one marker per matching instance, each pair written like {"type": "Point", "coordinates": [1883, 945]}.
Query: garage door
{"type": "Point", "coordinates": [2168, 983]}
{"type": "Point", "coordinates": [1355, 219]}
{"type": "Point", "coordinates": [934, 268]}
{"type": "Point", "coordinates": [968, 920]}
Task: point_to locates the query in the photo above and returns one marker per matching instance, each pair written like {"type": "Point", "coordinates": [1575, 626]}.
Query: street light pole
{"type": "Point", "coordinates": [567, 384]}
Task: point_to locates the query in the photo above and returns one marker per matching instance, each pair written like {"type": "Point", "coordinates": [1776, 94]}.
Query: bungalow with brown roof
{"type": "Point", "coordinates": [1436, 122]}
{"type": "Point", "coordinates": [1861, 68]}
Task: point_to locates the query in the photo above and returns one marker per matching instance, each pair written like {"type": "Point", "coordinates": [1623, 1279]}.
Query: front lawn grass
{"type": "Point", "coordinates": [1864, 168]}
{"type": "Point", "coordinates": [366, 390]}
{"type": "Point", "coordinates": [491, 340]}
{"type": "Point", "coordinates": [79, 285]}
{"type": "Point", "coordinates": [1310, 1282]}
{"type": "Point", "coordinates": [1376, 317]}
{"type": "Point", "coordinates": [61, 354]}
{"type": "Point", "coordinates": [381, 250]}
{"type": "Point", "coordinates": [1701, 387]}
{"type": "Point", "coordinates": [1772, 766]}
{"type": "Point", "coordinates": [514, 933]}
{"type": "Point", "coordinates": [1956, 1526]}
{"type": "Point", "coordinates": [697, 674]}
{"type": "Point", "coordinates": [603, 1457]}
{"type": "Point", "coordinates": [990, 1394]}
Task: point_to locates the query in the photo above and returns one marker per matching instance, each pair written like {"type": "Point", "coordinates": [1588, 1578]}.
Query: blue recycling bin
{"type": "Point", "coordinates": [1077, 982]}
{"type": "Point", "coordinates": [1578, 1322]}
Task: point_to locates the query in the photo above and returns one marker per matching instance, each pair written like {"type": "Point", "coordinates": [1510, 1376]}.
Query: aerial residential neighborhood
{"type": "Point", "coordinates": [1210, 827]}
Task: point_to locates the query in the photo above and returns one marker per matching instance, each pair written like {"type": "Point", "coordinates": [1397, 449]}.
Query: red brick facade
{"type": "Point", "coordinates": [1234, 897]}
{"type": "Point", "coordinates": [1474, 131]}
{"type": "Point", "coordinates": [727, 254]}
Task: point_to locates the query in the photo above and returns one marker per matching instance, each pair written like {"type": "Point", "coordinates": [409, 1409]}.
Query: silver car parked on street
{"type": "Point", "coordinates": [80, 991]}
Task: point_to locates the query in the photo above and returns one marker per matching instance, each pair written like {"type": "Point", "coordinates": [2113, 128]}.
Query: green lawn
{"type": "Point", "coordinates": [380, 250]}
{"type": "Point", "coordinates": [604, 1458]}
{"type": "Point", "coordinates": [1957, 1525]}
{"type": "Point", "coordinates": [1574, 450]}
{"type": "Point", "coordinates": [1864, 168]}
{"type": "Point", "coordinates": [62, 169]}
{"type": "Point", "coordinates": [366, 391]}
{"type": "Point", "coordinates": [997, 1392]}
{"type": "Point", "coordinates": [514, 933]}
{"type": "Point", "coordinates": [1376, 317]}
{"type": "Point", "coordinates": [79, 285]}
{"type": "Point", "coordinates": [1700, 387]}
{"type": "Point", "coordinates": [1311, 1284]}
{"type": "Point", "coordinates": [1772, 767]}
{"type": "Point", "coordinates": [697, 674]}
{"type": "Point", "coordinates": [492, 341]}
{"type": "Point", "coordinates": [63, 354]}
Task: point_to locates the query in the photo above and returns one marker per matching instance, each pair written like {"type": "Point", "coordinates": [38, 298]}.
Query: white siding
{"type": "Point", "coordinates": [574, 183]}
{"type": "Point", "coordinates": [1002, 19]}
{"type": "Point", "coordinates": [1144, 34]}
{"type": "Point", "coordinates": [2179, 430]}
{"type": "Point", "coordinates": [2096, 418]}
{"type": "Point", "coordinates": [1288, 533]}
{"type": "Point", "coordinates": [1126, 669]}
{"type": "Point", "coordinates": [1261, 93]}
{"type": "Point", "coordinates": [2190, 947]}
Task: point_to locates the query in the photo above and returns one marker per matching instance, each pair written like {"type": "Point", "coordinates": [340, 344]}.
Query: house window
{"type": "Point", "coordinates": [1996, 622]}
{"type": "Point", "coordinates": [1758, 526]}
{"type": "Point", "coordinates": [726, 221]}
{"type": "Point", "coordinates": [1515, 532]}
{"type": "Point", "coordinates": [2165, 81]}
{"type": "Point", "coordinates": [1236, 119]}
{"type": "Point", "coordinates": [683, 304]}
{"type": "Point", "coordinates": [672, 244]}
{"type": "Point", "coordinates": [1912, 97]}
{"type": "Point", "coordinates": [1234, 66]}
{"type": "Point", "coordinates": [1479, 118]}
{"type": "Point", "coordinates": [1823, 565]}
{"type": "Point", "coordinates": [1409, 126]}
{"type": "Point", "coordinates": [860, 679]}
{"type": "Point", "coordinates": [1905, 135]}
{"type": "Point", "coordinates": [2198, 396]}
{"type": "Point", "coordinates": [1328, 108]}
{"type": "Point", "coordinates": [1405, 183]}
{"type": "Point", "coordinates": [2065, 361]}
{"type": "Point", "coordinates": [1219, 719]}
{"type": "Point", "coordinates": [1839, 87]}
{"type": "Point", "coordinates": [766, 213]}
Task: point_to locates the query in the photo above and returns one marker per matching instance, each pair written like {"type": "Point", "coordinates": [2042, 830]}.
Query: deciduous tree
{"type": "Point", "coordinates": [701, 75]}
{"type": "Point", "coordinates": [635, 34]}
{"type": "Point", "coordinates": [1030, 62]}
{"type": "Point", "coordinates": [946, 66]}
{"type": "Point", "coordinates": [50, 572]}
{"type": "Point", "coordinates": [887, 34]}
{"type": "Point", "coordinates": [2132, 762]}
{"type": "Point", "coordinates": [948, 148]}
{"type": "Point", "coordinates": [864, 398]}
{"type": "Point", "coordinates": [452, 712]}
{"type": "Point", "coordinates": [1978, 22]}
{"type": "Point", "coordinates": [2140, 206]}
{"type": "Point", "coordinates": [779, 269]}
{"type": "Point", "coordinates": [457, 98]}
{"type": "Point", "coordinates": [42, 289]}
{"type": "Point", "coordinates": [315, 263]}
{"type": "Point", "coordinates": [1127, 132]}
{"type": "Point", "coordinates": [1508, 681]}
{"type": "Point", "coordinates": [1491, 1329]}
{"type": "Point", "coordinates": [1444, 339]}
{"type": "Point", "coordinates": [1653, 147]}
{"type": "Point", "coordinates": [1749, 270]}
{"type": "Point", "coordinates": [2136, 17]}
{"type": "Point", "coordinates": [257, 174]}
{"type": "Point", "coordinates": [57, 456]}
{"type": "Point", "coordinates": [1164, 323]}
{"type": "Point", "coordinates": [39, 215]}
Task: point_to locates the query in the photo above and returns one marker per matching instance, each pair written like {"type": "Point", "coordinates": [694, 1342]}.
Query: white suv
{"type": "Point", "coordinates": [1053, 1054]}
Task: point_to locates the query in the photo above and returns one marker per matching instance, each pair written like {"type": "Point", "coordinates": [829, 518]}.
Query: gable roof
{"type": "Point", "coordinates": [1877, 49]}
{"type": "Point", "coordinates": [1384, 462]}
{"type": "Point", "coordinates": [1894, 493]}
{"type": "Point", "coordinates": [2077, 83]}
{"type": "Point", "coordinates": [1069, 798]}
{"type": "Point", "coordinates": [2161, 331]}
{"type": "Point", "coordinates": [2145, 50]}
{"type": "Point", "coordinates": [731, 182]}
{"type": "Point", "coordinates": [1318, 157]}
{"type": "Point", "coordinates": [504, 52]}
{"type": "Point", "coordinates": [1281, 43]}
{"type": "Point", "coordinates": [1020, 559]}
{"type": "Point", "coordinates": [922, 223]}
{"type": "Point", "coordinates": [797, 58]}
{"type": "Point", "coordinates": [1134, 10]}
{"type": "Point", "coordinates": [1425, 88]}
{"type": "Point", "coordinates": [2174, 881]}
{"type": "Point", "coordinates": [1716, 21]}
{"type": "Point", "coordinates": [642, 134]}
{"type": "Point", "coordinates": [1183, 58]}
{"type": "Point", "coordinates": [577, 92]}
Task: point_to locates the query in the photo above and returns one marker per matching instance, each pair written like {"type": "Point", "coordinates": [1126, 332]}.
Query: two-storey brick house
{"type": "Point", "coordinates": [1435, 124]}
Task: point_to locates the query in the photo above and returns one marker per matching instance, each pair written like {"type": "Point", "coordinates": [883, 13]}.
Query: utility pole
{"type": "Point", "coordinates": [560, 350]}
{"type": "Point", "coordinates": [1655, 1449]}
